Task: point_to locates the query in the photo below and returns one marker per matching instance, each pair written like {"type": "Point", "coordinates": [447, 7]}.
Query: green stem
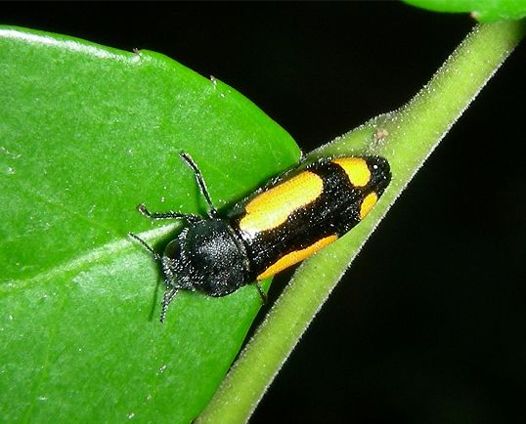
{"type": "Point", "coordinates": [405, 138]}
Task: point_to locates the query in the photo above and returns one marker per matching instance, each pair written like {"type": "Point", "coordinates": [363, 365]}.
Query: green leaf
{"type": "Point", "coordinates": [86, 133]}
{"type": "Point", "coordinates": [482, 10]}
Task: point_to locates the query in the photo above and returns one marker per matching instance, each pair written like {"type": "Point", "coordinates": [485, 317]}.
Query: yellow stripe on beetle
{"type": "Point", "coordinates": [271, 208]}
{"type": "Point", "coordinates": [356, 169]}
{"type": "Point", "coordinates": [367, 204]}
{"type": "Point", "coordinates": [295, 257]}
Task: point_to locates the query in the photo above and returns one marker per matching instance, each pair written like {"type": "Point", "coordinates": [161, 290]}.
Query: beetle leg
{"type": "Point", "coordinates": [262, 294]}
{"type": "Point", "coordinates": [168, 296]}
{"type": "Point", "coordinates": [212, 211]}
{"type": "Point", "coordinates": [188, 217]}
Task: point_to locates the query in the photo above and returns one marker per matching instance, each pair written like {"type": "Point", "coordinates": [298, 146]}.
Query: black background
{"type": "Point", "coordinates": [429, 324]}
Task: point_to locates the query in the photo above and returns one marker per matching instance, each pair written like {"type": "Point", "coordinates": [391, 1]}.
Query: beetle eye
{"type": "Point", "coordinates": [173, 249]}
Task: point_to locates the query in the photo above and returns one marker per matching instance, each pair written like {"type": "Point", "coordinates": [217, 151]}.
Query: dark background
{"type": "Point", "coordinates": [429, 324]}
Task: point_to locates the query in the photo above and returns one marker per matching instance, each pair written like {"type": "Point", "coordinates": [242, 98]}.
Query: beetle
{"type": "Point", "coordinates": [282, 223]}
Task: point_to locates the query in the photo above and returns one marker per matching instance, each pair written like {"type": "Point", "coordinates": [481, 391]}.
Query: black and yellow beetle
{"type": "Point", "coordinates": [279, 225]}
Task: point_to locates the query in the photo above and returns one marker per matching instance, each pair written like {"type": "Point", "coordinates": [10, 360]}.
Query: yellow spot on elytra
{"type": "Point", "coordinates": [272, 207]}
{"type": "Point", "coordinates": [367, 204]}
{"type": "Point", "coordinates": [295, 257]}
{"type": "Point", "coordinates": [356, 169]}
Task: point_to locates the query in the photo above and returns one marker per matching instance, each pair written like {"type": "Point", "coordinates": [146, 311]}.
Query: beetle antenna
{"type": "Point", "coordinates": [155, 255]}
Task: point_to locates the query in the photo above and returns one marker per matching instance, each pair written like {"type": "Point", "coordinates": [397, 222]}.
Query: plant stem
{"type": "Point", "coordinates": [406, 138]}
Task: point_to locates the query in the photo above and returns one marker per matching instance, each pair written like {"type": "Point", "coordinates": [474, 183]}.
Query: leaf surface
{"type": "Point", "coordinates": [86, 133]}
